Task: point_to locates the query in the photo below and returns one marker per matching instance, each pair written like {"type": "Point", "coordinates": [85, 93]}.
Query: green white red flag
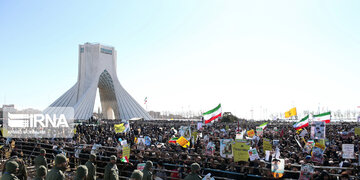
{"type": "Point", "coordinates": [145, 100]}
{"type": "Point", "coordinates": [173, 140]}
{"type": "Point", "coordinates": [304, 122]}
{"type": "Point", "coordinates": [124, 159]}
{"type": "Point", "coordinates": [212, 114]}
{"type": "Point", "coordinates": [322, 117]}
{"type": "Point", "coordinates": [263, 126]}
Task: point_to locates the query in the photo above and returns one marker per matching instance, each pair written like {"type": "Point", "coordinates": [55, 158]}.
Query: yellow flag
{"type": "Point", "coordinates": [4, 132]}
{"type": "Point", "coordinates": [320, 146]}
{"type": "Point", "coordinates": [183, 142]}
{"type": "Point", "coordinates": [357, 131]}
{"type": "Point", "coordinates": [119, 128]}
{"type": "Point", "coordinates": [290, 113]}
{"type": "Point", "coordinates": [251, 133]}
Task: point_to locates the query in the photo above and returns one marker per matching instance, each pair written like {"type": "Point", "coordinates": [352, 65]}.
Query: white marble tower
{"type": "Point", "coordinates": [97, 69]}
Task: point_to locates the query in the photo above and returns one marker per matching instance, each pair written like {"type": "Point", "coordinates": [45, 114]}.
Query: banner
{"type": "Point", "coordinates": [259, 131]}
{"type": "Point", "coordinates": [317, 153]}
{"type": "Point", "coordinates": [253, 154]}
{"type": "Point", "coordinates": [307, 171]}
{"type": "Point", "coordinates": [251, 133]}
{"type": "Point", "coordinates": [267, 145]}
{"type": "Point", "coordinates": [318, 130]}
{"type": "Point", "coordinates": [303, 133]}
{"type": "Point", "coordinates": [277, 167]}
{"type": "Point", "coordinates": [147, 141]}
{"type": "Point", "coordinates": [140, 166]}
{"type": "Point", "coordinates": [199, 126]}
{"type": "Point", "coordinates": [185, 131]}
{"type": "Point", "coordinates": [210, 149]}
{"type": "Point", "coordinates": [240, 135]}
{"type": "Point", "coordinates": [276, 143]}
{"type": "Point", "coordinates": [226, 148]}
{"type": "Point", "coordinates": [126, 151]}
{"type": "Point", "coordinates": [348, 151]}
{"type": "Point", "coordinates": [308, 146]}
{"type": "Point", "coordinates": [141, 143]}
{"type": "Point", "coordinates": [95, 148]}
{"type": "Point", "coordinates": [240, 150]}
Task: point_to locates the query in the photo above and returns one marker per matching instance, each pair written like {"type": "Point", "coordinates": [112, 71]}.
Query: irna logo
{"type": "Point", "coordinates": [37, 120]}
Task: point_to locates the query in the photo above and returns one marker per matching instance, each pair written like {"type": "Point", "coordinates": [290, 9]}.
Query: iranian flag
{"type": "Point", "coordinates": [322, 117]}
{"type": "Point", "coordinates": [212, 114]}
{"type": "Point", "coordinates": [304, 122]}
{"type": "Point", "coordinates": [124, 159]}
{"type": "Point", "coordinates": [263, 126]}
{"type": "Point", "coordinates": [173, 140]}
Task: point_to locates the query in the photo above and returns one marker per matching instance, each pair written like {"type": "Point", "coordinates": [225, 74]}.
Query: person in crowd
{"type": "Point", "coordinates": [161, 173]}
{"type": "Point", "coordinates": [147, 172]}
{"type": "Point", "coordinates": [22, 172]}
{"type": "Point", "coordinates": [81, 173]}
{"type": "Point", "coordinates": [90, 164]}
{"type": "Point", "coordinates": [41, 159]}
{"type": "Point", "coordinates": [194, 174]}
{"type": "Point", "coordinates": [41, 172]}
{"type": "Point", "coordinates": [11, 168]}
{"type": "Point", "coordinates": [111, 170]}
{"type": "Point", "coordinates": [57, 172]}
{"type": "Point", "coordinates": [136, 175]}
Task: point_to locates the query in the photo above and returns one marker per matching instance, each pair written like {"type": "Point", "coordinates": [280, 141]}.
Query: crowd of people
{"type": "Point", "coordinates": [96, 149]}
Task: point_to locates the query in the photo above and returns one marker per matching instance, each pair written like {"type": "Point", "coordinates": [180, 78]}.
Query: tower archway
{"type": "Point", "coordinates": [109, 103]}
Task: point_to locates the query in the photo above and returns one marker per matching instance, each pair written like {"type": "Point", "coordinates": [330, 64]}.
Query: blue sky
{"type": "Point", "coordinates": [189, 55]}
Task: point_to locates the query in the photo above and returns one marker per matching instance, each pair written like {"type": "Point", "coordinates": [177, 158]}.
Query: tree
{"type": "Point", "coordinates": [228, 117]}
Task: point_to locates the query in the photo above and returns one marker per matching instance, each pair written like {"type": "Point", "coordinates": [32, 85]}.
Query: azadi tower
{"type": "Point", "coordinates": [97, 69]}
